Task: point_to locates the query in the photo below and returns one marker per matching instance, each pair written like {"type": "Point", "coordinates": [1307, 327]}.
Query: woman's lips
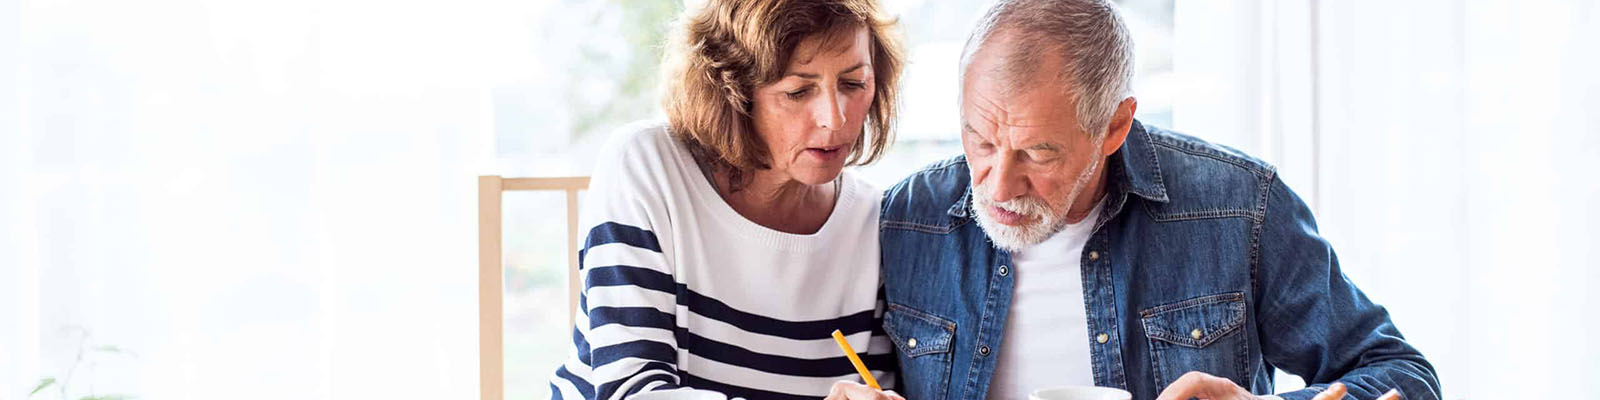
{"type": "Point", "coordinates": [826, 153]}
{"type": "Point", "coordinates": [1007, 217]}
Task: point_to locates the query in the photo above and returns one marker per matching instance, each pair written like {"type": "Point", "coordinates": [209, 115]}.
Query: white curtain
{"type": "Point", "coordinates": [256, 200]}
{"type": "Point", "coordinates": [1449, 149]}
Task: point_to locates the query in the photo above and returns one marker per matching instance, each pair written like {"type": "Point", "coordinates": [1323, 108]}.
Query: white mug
{"type": "Point", "coordinates": [679, 394]}
{"type": "Point", "coordinates": [1080, 393]}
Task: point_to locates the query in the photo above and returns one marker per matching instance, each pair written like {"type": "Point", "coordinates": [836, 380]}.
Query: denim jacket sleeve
{"type": "Point", "coordinates": [1316, 324]}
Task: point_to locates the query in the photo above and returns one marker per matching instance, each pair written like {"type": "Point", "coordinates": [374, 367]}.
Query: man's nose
{"type": "Point", "coordinates": [1008, 182]}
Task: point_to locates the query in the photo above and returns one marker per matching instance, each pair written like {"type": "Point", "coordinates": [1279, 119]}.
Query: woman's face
{"type": "Point", "coordinates": [812, 117]}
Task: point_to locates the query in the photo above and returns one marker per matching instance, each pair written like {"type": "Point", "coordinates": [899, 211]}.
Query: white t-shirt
{"type": "Point", "coordinates": [1046, 341]}
{"type": "Point", "coordinates": [682, 291]}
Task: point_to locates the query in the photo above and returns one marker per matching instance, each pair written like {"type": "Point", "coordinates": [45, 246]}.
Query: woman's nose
{"type": "Point", "coordinates": [829, 111]}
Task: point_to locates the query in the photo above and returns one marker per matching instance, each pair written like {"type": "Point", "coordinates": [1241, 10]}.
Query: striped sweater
{"type": "Point", "coordinates": [679, 290]}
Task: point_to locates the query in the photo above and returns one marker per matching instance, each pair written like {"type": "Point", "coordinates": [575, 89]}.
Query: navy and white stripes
{"type": "Point", "coordinates": [658, 358]}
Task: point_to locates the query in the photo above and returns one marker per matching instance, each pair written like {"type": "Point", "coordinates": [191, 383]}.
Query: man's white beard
{"type": "Point", "coordinates": [1015, 238]}
{"type": "Point", "coordinates": [1043, 221]}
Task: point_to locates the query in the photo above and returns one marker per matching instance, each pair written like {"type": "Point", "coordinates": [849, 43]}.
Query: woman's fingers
{"type": "Point", "coordinates": [1337, 390]}
{"type": "Point", "coordinates": [1334, 392]}
{"type": "Point", "coordinates": [847, 390]}
{"type": "Point", "coordinates": [1394, 394]}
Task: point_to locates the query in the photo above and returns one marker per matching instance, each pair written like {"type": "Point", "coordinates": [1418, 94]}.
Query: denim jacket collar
{"type": "Point", "coordinates": [1141, 173]}
{"type": "Point", "coordinates": [963, 205]}
{"type": "Point", "coordinates": [1133, 169]}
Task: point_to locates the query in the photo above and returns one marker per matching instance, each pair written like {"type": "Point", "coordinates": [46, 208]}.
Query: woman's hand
{"type": "Point", "coordinates": [847, 390]}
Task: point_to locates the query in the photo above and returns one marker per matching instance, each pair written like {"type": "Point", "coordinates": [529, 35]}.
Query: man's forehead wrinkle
{"type": "Point", "coordinates": [1012, 111]}
{"type": "Point", "coordinates": [986, 120]}
{"type": "Point", "coordinates": [1022, 121]}
{"type": "Point", "coordinates": [990, 110]}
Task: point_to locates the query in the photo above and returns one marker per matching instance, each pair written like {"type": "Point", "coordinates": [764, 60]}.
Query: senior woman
{"type": "Point", "coordinates": [725, 244]}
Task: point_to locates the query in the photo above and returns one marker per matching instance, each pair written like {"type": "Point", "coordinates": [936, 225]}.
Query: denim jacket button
{"type": "Point", "coordinates": [983, 350]}
{"type": "Point", "coordinates": [912, 343]}
{"type": "Point", "coordinates": [1102, 338]}
{"type": "Point", "coordinates": [1094, 255]}
{"type": "Point", "coordinates": [1195, 333]}
{"type": "Point", "coordinates": [1004, 270]}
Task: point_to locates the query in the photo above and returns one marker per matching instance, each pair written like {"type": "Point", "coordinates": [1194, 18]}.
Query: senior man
{"type": "Point", "coordinates": [1073, 245]}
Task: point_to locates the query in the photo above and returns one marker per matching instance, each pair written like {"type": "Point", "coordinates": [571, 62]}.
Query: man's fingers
{"type": "Point", "coordinates": [1393, 394]}
{"type": "Point", "coordinates": [1333, 392]}
{"type": "Point", "coordinates": [1189, 385]}
{"type": "Point", "coordinates": [1177, 391]}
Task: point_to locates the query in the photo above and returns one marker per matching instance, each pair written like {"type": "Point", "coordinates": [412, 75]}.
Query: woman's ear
{"type": "Point", "coordinates": [1121, 123]}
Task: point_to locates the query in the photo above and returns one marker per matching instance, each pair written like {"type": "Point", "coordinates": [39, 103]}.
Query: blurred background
{"type": "Point", "coordinates": [265, 200]}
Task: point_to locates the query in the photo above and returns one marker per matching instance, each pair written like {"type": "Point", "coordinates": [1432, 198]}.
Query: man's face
{"type": "Point", "coordinates": [1027, 153]}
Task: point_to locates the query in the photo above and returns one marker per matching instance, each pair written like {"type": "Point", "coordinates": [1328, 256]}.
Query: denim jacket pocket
{"type": "Point", "coordinates": [924, 342]}
{"type": "Point", "coordinates": [1198, 334]}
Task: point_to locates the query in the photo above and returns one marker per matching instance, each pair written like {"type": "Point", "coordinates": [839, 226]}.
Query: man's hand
{"type": "Point", "coordinates": [1196, 384]}
{"type": "Point", "coordinates": [847, 390]}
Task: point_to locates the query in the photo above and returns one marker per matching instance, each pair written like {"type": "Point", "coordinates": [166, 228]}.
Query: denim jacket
{"type": "Point", "coordinates": [1202, 260]}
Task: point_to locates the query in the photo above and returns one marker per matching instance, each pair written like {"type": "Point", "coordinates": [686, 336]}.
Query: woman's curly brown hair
{"type": "Point", "coordinates": [725, 49]}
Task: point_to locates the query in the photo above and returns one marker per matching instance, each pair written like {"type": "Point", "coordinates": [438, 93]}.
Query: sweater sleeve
{"type": "Point", "coordinates": [628, 299]}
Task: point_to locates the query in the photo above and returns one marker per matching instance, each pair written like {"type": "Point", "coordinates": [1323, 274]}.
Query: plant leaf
{"type": "Point", "coordinates": [43, 383]}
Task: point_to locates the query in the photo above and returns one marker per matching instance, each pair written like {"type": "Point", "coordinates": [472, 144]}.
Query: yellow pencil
{"type": "Point", "coordinates": [851, 353]}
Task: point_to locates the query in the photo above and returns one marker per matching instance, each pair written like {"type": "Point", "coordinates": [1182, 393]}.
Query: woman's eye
{"type": "Point", "coordinates": [798, 94]}
{"type": "Point", "coordinates": [855, 84]}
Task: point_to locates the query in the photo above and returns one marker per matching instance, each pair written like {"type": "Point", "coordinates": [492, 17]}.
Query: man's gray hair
{"type": "Point", "coordinates": [1087, 38]}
